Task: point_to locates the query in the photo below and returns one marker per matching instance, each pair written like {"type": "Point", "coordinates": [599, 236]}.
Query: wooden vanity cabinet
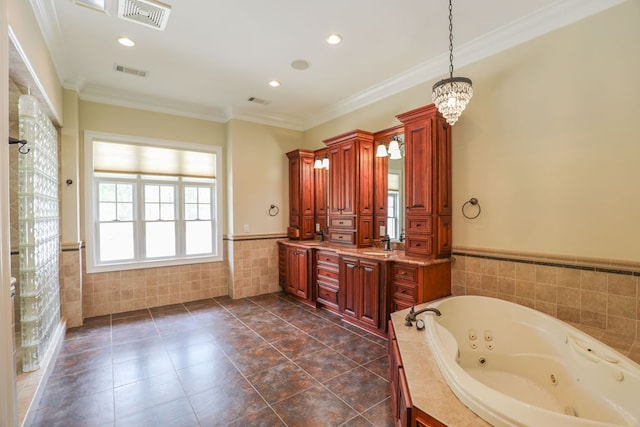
{"type": "Point", "coordinates": [404, 413]}
{"type": "Point", "coordinates": [363, 293]}
{"type": "Point", "coordinates": [301, 195]}
{"type": "Point", "coordinates": [415, 284]}
{"type": "Point", "coordinates": [351, 188]}
{"type": "Point", "coordinates": [296, 274]}
{"type": "Point", "coordinates": [428, 182]}
{"type": "Point", "coordinates": [328, 280]}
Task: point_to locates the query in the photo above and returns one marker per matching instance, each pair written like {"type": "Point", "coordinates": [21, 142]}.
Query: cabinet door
{"type": "Point", "coordinates": [349, 286]}
{"type": "Point", "coordinates": [443, 158]}
{"type": "Point", "coordinates": [365, 178]}
{"type": "Point", "coordinates": [349, 179]}
{"type": "Point", "coordinates": [335, 179]}
{"type": "Point", "coordinates": [297, 276]}
{"type": "Point", "coordinates": [301, 285]}
{"type": "Point", "coordinates": [294, 186]}
{"type": "Point", "coordinates": [306, 185]}
{"type": "Point", "coordinates": [369, 293]}
{"type": "Point", "coordinates": [292, 270]}
{"type": "Point", "coordinates": [418, 168]}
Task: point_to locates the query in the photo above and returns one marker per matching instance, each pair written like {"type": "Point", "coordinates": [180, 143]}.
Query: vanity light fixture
{"type": "Point", "coordinates": [452, 95]}
{"type": "Point", "coordinates": [325, 162]}
{"type": "Point", "coordinates": [321, 163]}
{"type": "Point", "coordinates": [395, 148]}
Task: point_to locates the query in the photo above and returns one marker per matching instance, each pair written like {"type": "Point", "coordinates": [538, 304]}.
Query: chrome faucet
{"type": "Point", "coordinates": [411, 316]}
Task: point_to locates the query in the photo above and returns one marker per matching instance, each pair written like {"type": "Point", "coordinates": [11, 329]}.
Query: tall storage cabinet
{"type": "Point", "coordinates": [301, 195]}
{"type": "Point", "coordinates": [428, 183]}
{"type": "Point", "coordinates": [351, 188]}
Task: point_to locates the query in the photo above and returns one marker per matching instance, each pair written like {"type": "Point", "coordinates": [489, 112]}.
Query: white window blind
{"type": "Point", "coordinates": [152, 160]}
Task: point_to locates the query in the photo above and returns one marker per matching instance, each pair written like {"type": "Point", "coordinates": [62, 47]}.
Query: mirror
{"type": "Point", "coordinates": [389, 171]}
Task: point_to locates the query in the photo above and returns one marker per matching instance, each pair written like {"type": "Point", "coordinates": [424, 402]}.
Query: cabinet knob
{"type": "Point", "coordinates": [404, 273]}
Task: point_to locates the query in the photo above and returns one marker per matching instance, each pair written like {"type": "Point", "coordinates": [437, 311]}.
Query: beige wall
{"type": "Point", "coordinates": [258, 176]}
{"type": "Point", "coordinates": [23, 24]}
{"type": "Point", "coordinates": [548, 144]}
{"type": "Point", "coordinates": [126, 121]}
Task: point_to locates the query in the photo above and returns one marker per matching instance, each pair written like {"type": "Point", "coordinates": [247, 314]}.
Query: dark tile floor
{"type": "Point", "coordinates": [261, 361]}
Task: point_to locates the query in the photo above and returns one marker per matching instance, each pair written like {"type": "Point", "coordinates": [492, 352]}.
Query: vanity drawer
{"type": "Point", "coordinates": [408, 273]}
{"type": "Point", "coordinates": [328, 295]}
{"type": "Point", "coordinates": [328, 257]}
{"type": "Point", "coordinates": [418, 224]}
{"type": "Point", "coordinates": [327, 273]}
{"type": "Point", "coordinates": [419, 245]}
{"type": "Point", "coordinates": [341, 222]}
{"type": "Point", "coordinates": [405, 291]}
{"type": "Point", "coordinates": [343, 237]}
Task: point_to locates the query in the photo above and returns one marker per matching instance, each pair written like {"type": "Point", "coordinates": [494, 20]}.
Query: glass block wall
{"type": "Point", "coordinates": [39, 234]}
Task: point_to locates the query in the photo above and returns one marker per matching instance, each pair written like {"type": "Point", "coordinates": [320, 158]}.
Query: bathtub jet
{"type": "Point", "coordinates": [515, 366]}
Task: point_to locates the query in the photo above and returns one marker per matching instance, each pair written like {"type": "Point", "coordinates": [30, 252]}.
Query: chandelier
{"type": "Point", "coordinates": [452, 95]}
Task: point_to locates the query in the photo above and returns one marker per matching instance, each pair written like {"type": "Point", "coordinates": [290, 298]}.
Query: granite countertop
{"type": "Point", "coordinates": [428, 389]}
{"type": "Point", "coordinates": [377, 254]}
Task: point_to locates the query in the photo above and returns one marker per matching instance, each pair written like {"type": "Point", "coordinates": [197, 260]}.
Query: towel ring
{"type": "Point", "coordinates": [273, 210]}
{"type": "Point", "coordinates": [474, 202]}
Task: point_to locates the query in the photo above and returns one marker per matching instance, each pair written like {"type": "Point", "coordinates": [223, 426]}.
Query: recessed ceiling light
{"type": "Point", "coordinates": [334, 38]}
{"type": "Point", "coordinates": [126, 41]}
{"type": "Point", "coordinates": [274, 83]}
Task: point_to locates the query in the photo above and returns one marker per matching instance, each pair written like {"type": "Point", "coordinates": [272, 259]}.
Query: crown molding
{"type": "Point", "coordinates": [292, 123]}
{"type": "Point", "coordinates": [49, 24]}
{"type": "Point", "coordinates": [104, 95]}
{"type": "Point", "coordinates": [536, 24]}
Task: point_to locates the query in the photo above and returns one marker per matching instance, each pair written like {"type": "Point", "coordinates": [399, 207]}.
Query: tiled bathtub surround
{"type": "Point", "coordinates": [600, 297]}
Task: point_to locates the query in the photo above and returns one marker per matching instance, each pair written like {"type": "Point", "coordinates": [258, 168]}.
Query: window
{"type": "Point", "coordinates": [150, 205]}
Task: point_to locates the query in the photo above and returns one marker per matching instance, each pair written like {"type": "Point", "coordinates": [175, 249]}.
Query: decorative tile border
{"type": "Point", "coordinates": [629, 268]}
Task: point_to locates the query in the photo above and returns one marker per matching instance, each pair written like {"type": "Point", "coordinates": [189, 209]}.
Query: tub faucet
{"type": "Point", "coordinates": [411, 316]}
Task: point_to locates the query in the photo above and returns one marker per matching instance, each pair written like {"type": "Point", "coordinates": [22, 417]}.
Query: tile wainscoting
{"type": "Point", "coordinates": [250, 268]}
{"type": "Point", "coordinates": [595, 295]}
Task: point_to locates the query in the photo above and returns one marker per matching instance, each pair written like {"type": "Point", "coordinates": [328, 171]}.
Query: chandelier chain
{"type": "Point", "coordinates": [450, 39]}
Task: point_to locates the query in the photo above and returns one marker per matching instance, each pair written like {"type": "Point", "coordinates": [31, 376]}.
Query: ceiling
{"type": "Point", "coordinates": [214, 55]}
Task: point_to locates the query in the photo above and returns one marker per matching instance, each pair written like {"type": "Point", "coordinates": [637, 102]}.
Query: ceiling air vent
{"type": "Point", "coordinates": [258, 100]}
{"type": "Point", "coordinates": [146, 12]}
{"type": "Point", "coordinates": [129, 70]}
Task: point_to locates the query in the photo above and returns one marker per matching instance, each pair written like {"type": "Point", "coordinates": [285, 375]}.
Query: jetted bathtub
{"type": "Point", "coordinates": [515, 366]}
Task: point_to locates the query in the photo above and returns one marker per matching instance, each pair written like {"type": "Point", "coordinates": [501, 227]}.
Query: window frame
{"type": "Point", "coordinates": [91, 206]}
